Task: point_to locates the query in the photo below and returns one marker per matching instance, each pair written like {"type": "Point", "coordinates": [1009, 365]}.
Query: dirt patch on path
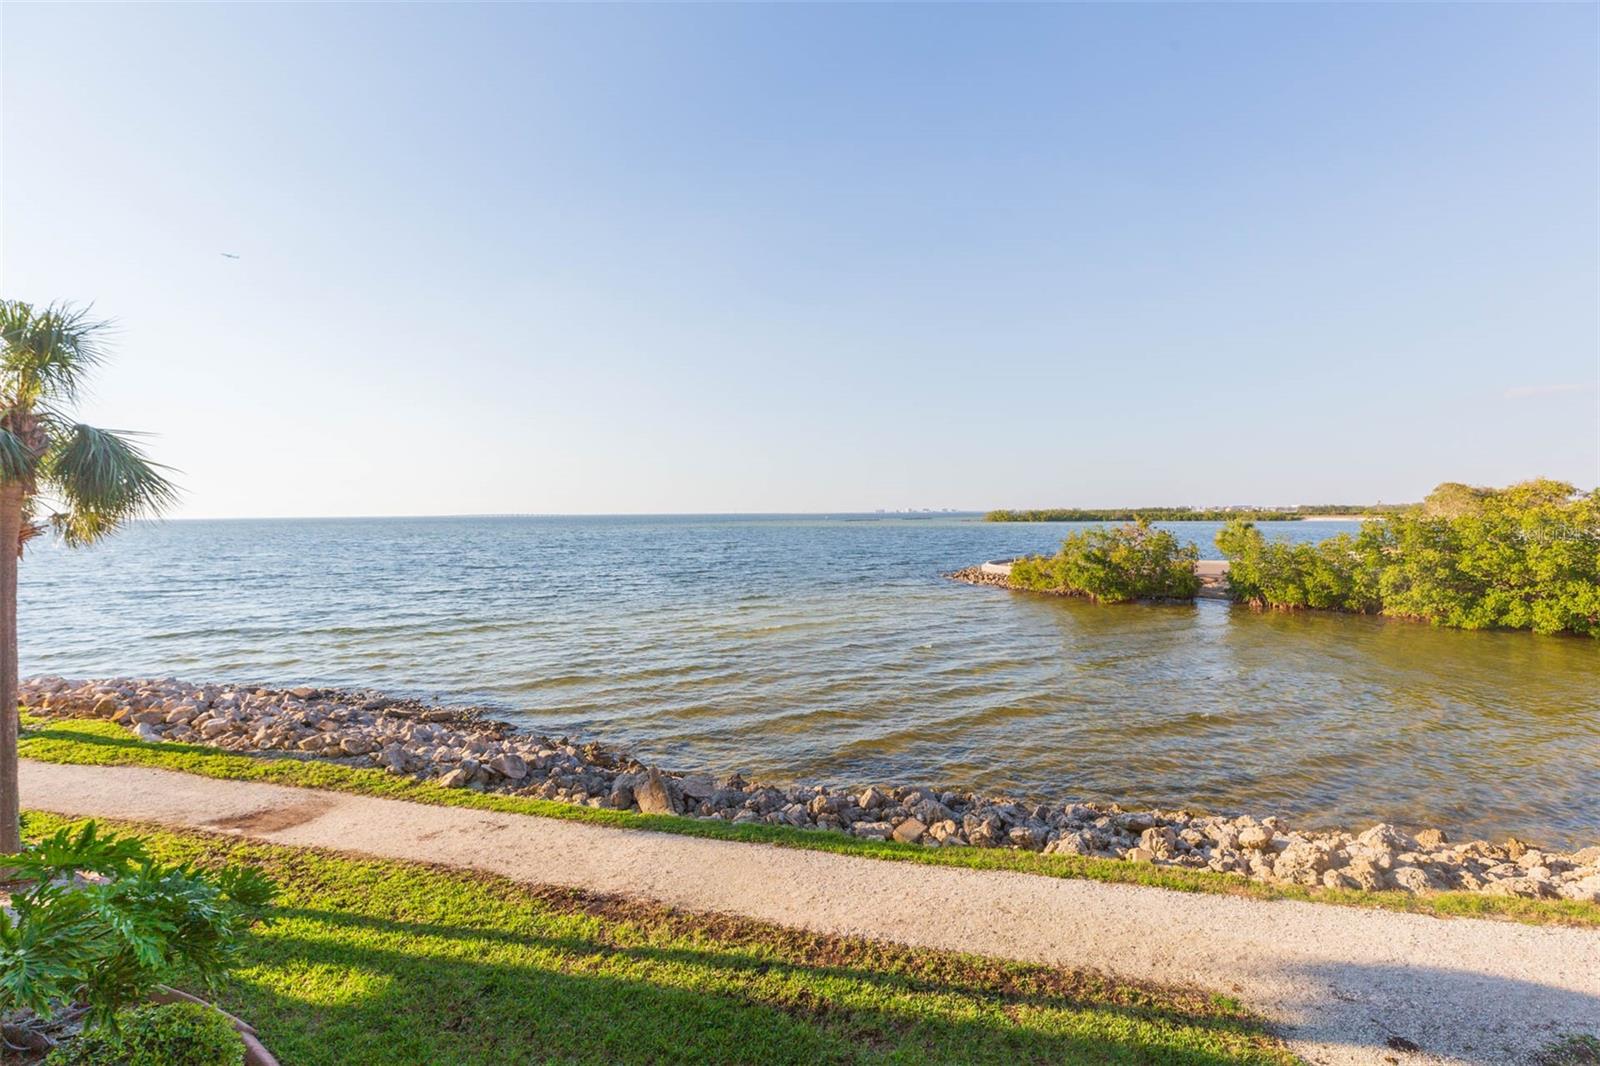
{"type": "Point", "coordinates": [272, 819]}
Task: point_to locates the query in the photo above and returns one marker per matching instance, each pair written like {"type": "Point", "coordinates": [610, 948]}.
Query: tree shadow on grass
{"type": "Point", "coordinates": [353, 989]}
{"type": "Point", "coordinates": [755, 950]}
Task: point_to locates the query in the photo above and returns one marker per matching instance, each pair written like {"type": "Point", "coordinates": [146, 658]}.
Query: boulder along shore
{"type": "Point", "coordinates": [462, 748]}
{"type": "Point", "coordinates": [977, 575]}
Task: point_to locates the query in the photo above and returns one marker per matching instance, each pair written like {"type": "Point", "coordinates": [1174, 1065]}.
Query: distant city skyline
{"type": "Point", "coordinates": [885, 512]}
{"type": "Point", "coordinates": [410, 260]}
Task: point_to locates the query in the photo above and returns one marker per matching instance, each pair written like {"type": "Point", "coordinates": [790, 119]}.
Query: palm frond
{"type": "Point", "coordinates": [16, 459]}
{"type": "Point", "coordinates": [104, 479]}
{"type": "Point", "coordinates": [48, 352]}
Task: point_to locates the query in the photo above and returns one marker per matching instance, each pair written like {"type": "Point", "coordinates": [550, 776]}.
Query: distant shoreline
{"type": "Point", "coordinates": [1175, 514]}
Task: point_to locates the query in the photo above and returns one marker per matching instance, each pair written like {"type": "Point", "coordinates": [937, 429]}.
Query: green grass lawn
{"type": "Point", "coordinates": [378, 962]}
{"type": "Point", "coordinates": [100, 742]}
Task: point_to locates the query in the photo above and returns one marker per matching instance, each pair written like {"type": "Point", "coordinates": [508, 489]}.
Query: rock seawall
{"type": "Point", "coordinates": [461, 748]}
{"type": "Point", "coordinates": [979, 575]}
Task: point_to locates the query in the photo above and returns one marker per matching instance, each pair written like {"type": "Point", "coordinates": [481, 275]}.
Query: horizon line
{"type": "Point", "coordinates": [875, 513]}
{"type": "Point", "coordinates": [567, 514]}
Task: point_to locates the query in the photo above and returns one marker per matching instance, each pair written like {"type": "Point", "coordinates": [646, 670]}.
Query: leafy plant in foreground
{"type": "Point", "coordinates": [97, 924]}
{"type": "Point", "coordinates": [167, 1034]}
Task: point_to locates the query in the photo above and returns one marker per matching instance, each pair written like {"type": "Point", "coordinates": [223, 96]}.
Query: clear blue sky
{"type": "Point", "coordinates": [650, 258]}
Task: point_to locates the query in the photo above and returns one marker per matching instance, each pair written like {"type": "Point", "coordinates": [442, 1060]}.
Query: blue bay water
{"type": "Point", "coordinates": [831, 649]}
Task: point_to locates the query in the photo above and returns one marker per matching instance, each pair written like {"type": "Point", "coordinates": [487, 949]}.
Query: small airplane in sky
{"type": "Point", "coordinates": [229, 255]}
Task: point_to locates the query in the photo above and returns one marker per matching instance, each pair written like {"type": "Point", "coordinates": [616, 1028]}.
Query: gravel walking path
{"type": "Point", "coordinates": [1344, 985]}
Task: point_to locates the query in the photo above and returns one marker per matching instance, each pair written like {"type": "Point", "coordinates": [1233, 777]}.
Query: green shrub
{"type": "Point", "coordinates": [1131, 562]}
{"type": "Point", "coordinates": [166, 1034]}
{"type": "Point", "coordinates": [1524, 557]}
{"type": "Point", "coordinates": [1330, 575]}
{"type": "Point", "coordinates": [105, 940]}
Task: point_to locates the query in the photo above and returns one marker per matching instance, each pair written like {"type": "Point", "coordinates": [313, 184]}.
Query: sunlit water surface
{"type": "Point", "coordinates": [831, 649]}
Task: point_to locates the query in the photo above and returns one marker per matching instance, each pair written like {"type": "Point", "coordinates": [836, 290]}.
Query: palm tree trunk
{"type": "Point", "coordinates": [10, 800]}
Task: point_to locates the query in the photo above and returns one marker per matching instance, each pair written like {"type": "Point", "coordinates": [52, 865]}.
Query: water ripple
{"type": "Point", "coordinates": [831, 650]}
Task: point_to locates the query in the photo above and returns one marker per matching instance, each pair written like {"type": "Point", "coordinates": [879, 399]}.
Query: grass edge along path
{"type": "Point", "coordinates": [91, 742]}
{"type": "Point", "coordinates": [387, 962]}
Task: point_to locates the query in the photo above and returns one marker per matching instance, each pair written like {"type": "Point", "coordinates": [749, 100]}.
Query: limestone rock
{"type": "Point", "coordinates": [1525, 887]}
{"type": "Point", "coordinates": [1587, 888]}
{"type": "Point", "coordinates": [654, 795]}
{"type": "Point", "coordinates": [1301, 862]}
{"type": "Point", "coordinates": [1409, 878]}
{"type": "Point", "coordinates": [1431, 839]}
{"type": "Point", "coordinates": [1384, 838]}
{"type": "Point", "coordinates": [1025, 836]}
{"type": "Point", "coordinates": [1136, 822]}
{"type": "Point", "coordinates": [984, 832]}
{"type": "Point", "coordinates": [910, 831]}
{"type": "Point", "coordinates": [945, 832]}
{"type": "Point", "coordinates": [1364, 874]}
{"type": "Point", "coordinates": [1078, 843]}
{"type": "Point", "coordinates": [872, 799]}
{"type": "Point", "coordinates": [697, 786]}
{"type": "Point", "coordinates": [1159, 841]}
{"type": "Point", "coordinates": [509, 766]}
{"type": "Point", "coordinates": [1256, 837]}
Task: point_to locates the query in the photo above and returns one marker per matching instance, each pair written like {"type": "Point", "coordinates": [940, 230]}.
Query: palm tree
{"type": "Point", "coordinates": [85, 481]}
